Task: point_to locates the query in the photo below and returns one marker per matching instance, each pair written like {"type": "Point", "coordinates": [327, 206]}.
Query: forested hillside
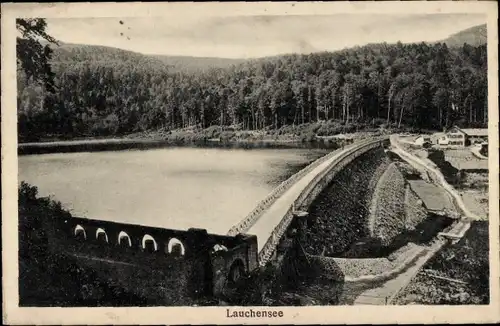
{"type": "Point", "coordinates": [474, 36]}
{"type": "Point", "coordinates": [106, 91]}
{"type": "Point", "coordinates": [196, 64]}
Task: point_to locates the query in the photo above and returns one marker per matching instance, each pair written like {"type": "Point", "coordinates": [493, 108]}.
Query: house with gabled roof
{"type": "Point", "coordinates": [458, 137]}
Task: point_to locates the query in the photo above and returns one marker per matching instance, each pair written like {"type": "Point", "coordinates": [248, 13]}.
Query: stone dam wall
{"type": "Point", "coordinates": [339, 214]}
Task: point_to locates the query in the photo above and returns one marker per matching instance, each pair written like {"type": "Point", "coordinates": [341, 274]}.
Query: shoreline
{"type": "Point", "coordinates": [322, 135]}
{"type": "Point", "coordinates": [118, 144]}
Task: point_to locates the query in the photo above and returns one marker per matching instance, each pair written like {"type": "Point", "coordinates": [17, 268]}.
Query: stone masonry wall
{"type": "Point", "coordinates": [339, 215]}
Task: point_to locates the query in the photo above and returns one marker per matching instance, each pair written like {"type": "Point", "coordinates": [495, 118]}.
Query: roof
{"type": "Point", "coordinates": [437, 135]}
{"type": "Point", "coordinates": [476, 131]}
{"type": "Point", "coordinates": [483, 132]}
{"type": "Point", "coordinates": [470, 164]}
{"type": "Point", "coordinates": [433, 197]}
{"type": "Point", "coordinates": [455, 128]}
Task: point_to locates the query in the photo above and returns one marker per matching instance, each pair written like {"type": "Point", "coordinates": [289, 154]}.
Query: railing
{"type": "Point", "coordinates": [257, 212]}
{"type": "Point", "coordinates": [271, 243]}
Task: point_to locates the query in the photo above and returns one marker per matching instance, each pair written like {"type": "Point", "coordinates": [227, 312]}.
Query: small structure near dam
{"type": "Point", "coordinates": [164, 266]}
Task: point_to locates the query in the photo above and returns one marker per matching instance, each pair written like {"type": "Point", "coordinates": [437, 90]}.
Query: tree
{"type": "Point", "coordinates": [32, 57]}
{"type": "Point", "coordinates": [106, 90]}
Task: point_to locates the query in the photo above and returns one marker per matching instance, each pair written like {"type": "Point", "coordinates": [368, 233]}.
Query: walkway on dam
{"type": "Point", "coordinates": [265, 225]}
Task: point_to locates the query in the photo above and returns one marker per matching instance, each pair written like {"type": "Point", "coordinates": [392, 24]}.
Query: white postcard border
{"type": "Point", "coordinates": [12, 314]}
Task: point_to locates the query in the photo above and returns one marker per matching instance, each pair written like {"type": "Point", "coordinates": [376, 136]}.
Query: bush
{"type": "Point", "coordinates": [309, 137]}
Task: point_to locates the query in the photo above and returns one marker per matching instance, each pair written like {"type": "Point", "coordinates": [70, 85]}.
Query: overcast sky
{"type": "Point", "coordinates": [256, 36]}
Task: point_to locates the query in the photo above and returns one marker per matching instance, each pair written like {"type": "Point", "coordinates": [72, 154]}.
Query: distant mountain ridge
{"type": "Point", "coordinates": [105, 91]}
{"type": "Point", "coordinates": [83, 52]}
{"type": "Point", "coordinates": [475, 36]}
{"type": "Point", "coordinates": [68, 52]}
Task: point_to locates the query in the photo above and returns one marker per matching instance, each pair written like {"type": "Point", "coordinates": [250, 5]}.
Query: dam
{"type": "Point", "coordinates": [368, 190]}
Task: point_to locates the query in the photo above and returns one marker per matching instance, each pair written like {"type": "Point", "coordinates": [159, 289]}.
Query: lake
{"type": "Point", "coordinates": [175, 187]}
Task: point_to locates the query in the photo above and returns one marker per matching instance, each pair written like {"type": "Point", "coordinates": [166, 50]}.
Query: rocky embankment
{"type": "Point", "coordinates": [369, 211]}
{"type": "Point", "coordinates": [395, 208]}
{"type": "Point", "coordinates": [341, 211]}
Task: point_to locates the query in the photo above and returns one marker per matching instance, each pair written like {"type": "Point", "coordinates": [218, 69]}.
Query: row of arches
{"type": "Point", "coordinates": [174, 246]}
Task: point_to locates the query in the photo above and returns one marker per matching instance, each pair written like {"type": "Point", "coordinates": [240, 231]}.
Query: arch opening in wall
{"type": "Point", "coordinates": [80, 233]}
{"type": "Point", "coordinates": [101, 235]}
{"type": "Point", "coordinates": [236, 273]}
{"type": "Point", "coordinates": [149, 244]}
{"type": "Point", "coordinates": [175, 248]}
{"type": "Point", "coordinates": [124, 240]}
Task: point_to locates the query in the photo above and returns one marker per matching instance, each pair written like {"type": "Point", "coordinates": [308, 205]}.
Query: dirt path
{"type": "Point", "coordinates": [384, 294]}
{"type": "Point", "coordinates": [427, 165]}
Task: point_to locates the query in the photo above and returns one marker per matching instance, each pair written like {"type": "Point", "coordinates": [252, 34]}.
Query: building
{"type": "Point", "coordinates": [476, 135]}
{"type": "Point", "coordinates": [457, 137]}
{"type": "Point", "coordinates": [473, 166]}
{"type": "Point", "coordinates": [422, 139]}
{"type": "Point", "coordinates": [436, 137]}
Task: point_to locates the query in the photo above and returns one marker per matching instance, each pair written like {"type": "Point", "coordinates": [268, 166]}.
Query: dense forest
{"type": "Point", "coordinates": [104, 91]}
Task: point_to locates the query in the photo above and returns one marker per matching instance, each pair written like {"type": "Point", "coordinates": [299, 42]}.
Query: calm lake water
{"type": "Point", "coordinates": [170, 187]}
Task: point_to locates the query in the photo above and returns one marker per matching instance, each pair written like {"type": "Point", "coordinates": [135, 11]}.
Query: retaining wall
{"type": "Point", "coordinates": [327, 281]}
{"type": "Point", "coordinates": [388, 205]}
{"type": "Point", "coordinates": [415, 211]}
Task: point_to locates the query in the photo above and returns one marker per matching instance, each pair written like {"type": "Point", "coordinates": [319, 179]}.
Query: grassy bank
{"type": "Point", "coordinates": [307, 132]}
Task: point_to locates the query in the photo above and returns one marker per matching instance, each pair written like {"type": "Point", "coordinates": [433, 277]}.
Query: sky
{"type": "Point", "coordinates": [256, 36]}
